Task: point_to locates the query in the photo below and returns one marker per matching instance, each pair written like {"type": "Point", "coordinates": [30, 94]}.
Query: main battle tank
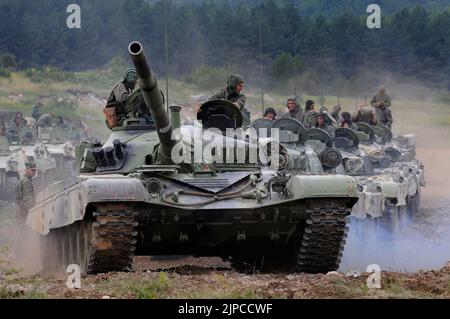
{"type": "Point", "coordinates": [131, 198]}
{"type": "Point", "coordinates": [388, 174]}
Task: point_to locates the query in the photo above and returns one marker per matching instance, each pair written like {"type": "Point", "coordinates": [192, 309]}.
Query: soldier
{"type": "Point", "coordinates": [270, 114]}
{"type": "Point", "coordinates": [365, 115]}
{"type": "Point", "coordinates": [294, 110]}
{"type": "Point", "coordinates": [36, 112]}
{"type": "Point", "coordinates": [15, 126]}
{"type": "Point", "coordinates": [47, 120]}
{"type": "Point", "coordinates": [115, 109]}
{"type": "Point", "coordinates": [381, 102]}
{"type": "Point", "coordinates": [347, 121]}
{"type": "Point", "coordinates": [25, 193]}
{"type": "Point", "coordinates": [310, 119]}
{"type": "Point", "coordinates": [322, 124]}
{"type": "Point", "coordinates": [386, 118]}
{"type": "Point", "coordinates": [235, 85]}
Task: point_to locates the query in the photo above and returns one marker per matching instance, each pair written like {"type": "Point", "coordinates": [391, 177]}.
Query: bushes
{"type": "Point", "coordinates": [48, 74]}
{"type": "Point", "coordinates": [7, 64]}
{"type": "Point", "coordinates": [208, 77]}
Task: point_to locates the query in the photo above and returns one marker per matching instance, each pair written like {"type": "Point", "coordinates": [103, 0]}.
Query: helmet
{"type": "Point", "coordinates": [130, 76]}
{"type": "Point", "coordinates": [308, 105]}
{"type": "Point", "coordinates": [270, 110]}
{"type": "Point", "coordinates": [233, 81]}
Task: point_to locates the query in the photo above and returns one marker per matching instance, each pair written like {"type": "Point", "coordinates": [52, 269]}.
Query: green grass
{"type": "Point", "coordinates": [152, 288]}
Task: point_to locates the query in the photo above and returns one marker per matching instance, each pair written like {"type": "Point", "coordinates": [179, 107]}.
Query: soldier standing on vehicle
{"type": "Point", "coordinates": [294, 110]}
{"type": "Point", "coordinates": [232, 93]}
{"type": "Point", "coordinates": [382, 104]}
{"type": "Point", "coordinates": [36, 112]}
{"type": "Point", "coordinates": [25, 193]}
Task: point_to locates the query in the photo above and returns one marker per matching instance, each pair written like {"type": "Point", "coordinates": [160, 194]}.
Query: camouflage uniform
{"type": "Point", "coordinates": [36, 112]}
{"type": "Point", "coordinates": [386, 118]}
{"type": "Point", "coordinates": [14, 129]}
{"type": "Point", "coordinates": [365, 115]}
{"type": "Point", "coordinates": [298, 114]}
{"type": "Point", "coordinates": [47, 120]}
{"type": "Point", "coordinates": [326, 127]}
{"type": "Point", "coordinates": [386, 100]}
{"type": "Point", "coordinates": [232, 96]}
{"type": "Point", "coordinates": [310, 119]}
{"type": "Point", "coordinates": [120, 94]}
{"type": "Point", "coordinates": [24, 197]}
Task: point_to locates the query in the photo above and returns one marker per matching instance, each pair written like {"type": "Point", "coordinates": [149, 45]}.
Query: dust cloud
{"type": "Point", "coordinates": [398, 241]}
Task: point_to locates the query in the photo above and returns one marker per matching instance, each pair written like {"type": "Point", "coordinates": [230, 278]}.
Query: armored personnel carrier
{"type": "Point", "coordinates": [133, 198]}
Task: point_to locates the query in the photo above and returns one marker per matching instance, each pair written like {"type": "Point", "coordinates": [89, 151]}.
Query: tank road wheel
{"type": "Point", "coordinates": [413, 203]}
{"type": "Point", "coordinates": [114, 237]}
{"type": "Point", "coordinates": [324, 236]}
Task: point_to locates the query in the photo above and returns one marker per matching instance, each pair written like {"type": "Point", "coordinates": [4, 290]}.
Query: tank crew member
{"type": "Point", "coordinates": [232, 93]}
{"type": "Point", "coordinates": [365, 115]}
{"type": "Point", "coordinates": [115, 110]}
{"type": "Point", "coordinates": [25, 193]}
{"type": "Point", "coordinates": [381, 102]}
{"type": "Point", "coordinates": [270, 114]}
{"type": "Point", "coordinates": [347, 121]}
{"type": "Point", "coordinates": [310, 119]}
{"type": "Point", "coordinates": [15, 126]}
{"type": "Point", "coordinates": [322, 124]}
{"type": "Point", "coordinates": [294, 110]}
{"type": "Point", "coordinates": [47, 120]}
{"type": "Point", "coordinates": [36, 112]}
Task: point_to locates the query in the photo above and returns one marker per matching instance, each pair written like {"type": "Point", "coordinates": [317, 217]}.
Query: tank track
{"type": "Point", "coordinates": [324, 236]}
{"type": "Point", "coordinates": [114, 237]}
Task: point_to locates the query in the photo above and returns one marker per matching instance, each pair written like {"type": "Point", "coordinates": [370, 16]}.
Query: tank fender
{"type": "Point", "coordinates": [304, 186]}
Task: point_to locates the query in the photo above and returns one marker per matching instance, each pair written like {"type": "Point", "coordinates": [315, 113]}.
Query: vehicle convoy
{"type": "Point", "coordinates": [132, 198]}
{"type": "Point", "coordinates": [385, 167]}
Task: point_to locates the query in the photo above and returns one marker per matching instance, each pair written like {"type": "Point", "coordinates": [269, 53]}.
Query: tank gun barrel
{"type": "Point", "coordinates": [153, 99]}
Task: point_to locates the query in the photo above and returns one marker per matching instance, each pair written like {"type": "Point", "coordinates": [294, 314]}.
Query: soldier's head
{"type": "Point", "coordinates": [346, 117]}
{"type": "Point", "coordinates": [39, 105]}
{"type": "Point", "coordinates": [381, 90]}
{"type": "Point", "coordinates": [292, 103]}
{"type": "Point", "coordinates": [270, 114]}
{"type": "Point", "coordinates": [320, 119]}
{"type": "Point", "coordinates": [309, 105]}
{"type": "Point", "coordinates": [18, 117]}
{"type": "Point", "coordinates": [130, 78]}
{"type": "Point", "coordinates": [235, 83]}
{"type": "Point", "coordinates": [30, 169]}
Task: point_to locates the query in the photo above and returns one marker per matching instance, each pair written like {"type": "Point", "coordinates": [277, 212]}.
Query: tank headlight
{"type": "Point", "coordinates": [154, 187]}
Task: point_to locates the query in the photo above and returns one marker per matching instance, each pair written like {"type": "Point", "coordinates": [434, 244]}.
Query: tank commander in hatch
{"type": "Point", "coordinates": [232, 93]}
{"type": "Point", "coordinates": [115, 109]}
{"type": "Point", "coordinates": [382, 104]}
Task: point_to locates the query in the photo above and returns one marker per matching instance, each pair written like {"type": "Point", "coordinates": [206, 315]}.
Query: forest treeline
{"type": "Point", "coordinates": [328, 38]}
